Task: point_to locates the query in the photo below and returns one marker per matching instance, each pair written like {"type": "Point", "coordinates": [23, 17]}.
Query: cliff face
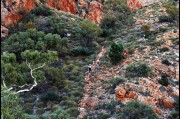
{"type": "Point", "coordinates": [13, 10]}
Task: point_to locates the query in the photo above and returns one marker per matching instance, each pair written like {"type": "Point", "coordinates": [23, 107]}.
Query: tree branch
{"type": "Point", "coordinates": [35, 81]}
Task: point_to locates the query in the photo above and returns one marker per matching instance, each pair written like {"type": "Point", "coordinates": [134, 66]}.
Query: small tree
{"type": "Point", "coordinates": [35, 60]}
{"type": "Point", "coordinates": [116, 52]}
{"type": "Point", "coordinates": [87, 32]}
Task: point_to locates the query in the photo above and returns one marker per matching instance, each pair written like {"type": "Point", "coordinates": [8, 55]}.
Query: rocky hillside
{"type": "Point", "coordinates": [133, 46]}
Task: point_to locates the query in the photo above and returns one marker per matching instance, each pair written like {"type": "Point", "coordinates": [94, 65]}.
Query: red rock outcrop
{"type": "Point", "coordinates": [136, 4]}
{"type": "Point", "coordinates": [120, 93]}
{"type": "Point", "coordinates": [13, 11]}
{"type": "Point", "coordinates": [132, 95]}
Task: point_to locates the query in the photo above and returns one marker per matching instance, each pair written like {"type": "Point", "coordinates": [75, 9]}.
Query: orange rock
{"type": "Point", "coordinates": [132, 95]}
{"type": "Point", "coordinates": [120, 93]}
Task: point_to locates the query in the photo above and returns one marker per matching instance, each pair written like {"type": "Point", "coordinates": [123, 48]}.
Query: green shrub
{"type": "Point", "coordinates": [172, 10]}
{"type": "Point", "coordinates": [73, 112]}
{"type": "Point", "coordinates": [136, 110]}
{"type": "Point", "coordinates": [116, 52]}
{"type": "Point", "coordinates": [87, 32]}
{"type": "Point", "coordinates": [164, 49]}
{"type": "Point", "coordinates": [164, 18]}
{"type": "Point", "coordinates": [164, 80]}
{"type": "Point", "coordinates": [174, 115]}
{"type": "Point", "coordinates": [42, 10]}
{"type": "Point", "coordinates": [115, 82]}
{"type": "Point", "coordinates": [138, 70]}
{"type": "Point", "coordinates": [49, 96]}
{"type": "Point", "coordinates": [81, 51]}
{"type": "Point", "coordinates": [57, 114]}
{"type": "Point", "coordinates": [166, 62]}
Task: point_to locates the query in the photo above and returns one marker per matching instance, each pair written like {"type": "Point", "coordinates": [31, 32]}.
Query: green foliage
{"type": "Point", "coordinates": [115, 81]}
{"type": "Point", "coordinates": [116, 52]}
{"type": "Point", "coordinates": [50, 96]}
{"type": "Point", "coordinates": [164, 49]}
{"type": "Point", "coordinates": [164, 18]}
{"type": "Point", "coordinates": [19, 73]}
{"type": "Point", "coordinates": [166, 62]}
{"type": "Point", "coordinates": [81, 51]}
{"type": "Point", "coordinates": [119, 17]}
{"type": "Point", "coordinates": [172, 10]}
{"type": "Point", "coordinates": [57, 76]}
{"type": "Point", "coordinates": [164, 80]}
{"type": "Point", "coordinates": [57, 114]}
{"type": "Point", "coordinates": [11, 105]}
{"type": "Point", "coordinates": [138, 69]}
{"type": "Point", "coordinates": [136, 110]}
{"type": "Point", "coordinates": [87, 32]}
{"type": "Point", "coordinates": [42, 10]}
{"type": "Point", "coordinates": [31, 40]}
{"type": "Point", "coordinates": [73, 112]}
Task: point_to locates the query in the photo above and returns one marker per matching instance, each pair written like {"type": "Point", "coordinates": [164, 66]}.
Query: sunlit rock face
{"type": "Point", "coordinates": [136, 4]}
{"type": "Point", "coordinates": [13, 11]}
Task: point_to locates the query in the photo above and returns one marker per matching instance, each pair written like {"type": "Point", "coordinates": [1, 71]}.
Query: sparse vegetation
{"type": "Point", "coordinates": [138, 70]}
{"type": "Point", "coordinates": [136, 110]}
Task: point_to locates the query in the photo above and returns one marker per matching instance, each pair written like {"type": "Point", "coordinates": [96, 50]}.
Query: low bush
{"type": "Point", "coordinates": [115, 81]}
{"type": "Point", "coordinates": [138, 70]}
{"type": "Point", "coordinates": [81, 51]}
{"type": "Point", "coordinates": [73, 112]}
{"type": "Point", "coordinates": [166, 62]}
{"type": "Point", "coordinates": [50, 96]}
{"type": "Point", "coordinates": [164, 49]}
{"type": "Point", "coordinates": [164, 80]}
{"type": "Point", "coordinates": [42, 10]}
{"type": "Point", "coordinates": [164, 18]}
{"type": "Point", "coordinates": [136, 110]}
{"type": "Point", "coordinates": [172, 10]}
{"type": "Point", "coordinates": [57, 114]}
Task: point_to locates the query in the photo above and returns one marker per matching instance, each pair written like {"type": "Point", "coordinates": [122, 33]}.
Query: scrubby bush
{"type": "Point", "coordinates": [50, 96]}
{"type": "Point", "coordinates": [164, 18]}
{"type": "Point", "coordinates": [138, 70]}
{"type": "Point", "coordinates": [42, 10]}
{"type": "Point", "coordinates": [73, 112]}
{"type": "Point", "coordinates": [136, 110]}
{"type": "Point", "coordinates": [166, 62]}
{"type": "Point", "coordinates": [164, 80]}
{"type": "Point", "coordinates": [87, 32]}
{"type": "Point", "coordinates": [11, 105]}
{"type": "Point", "coordinates": [57, 114]}
{"type": "Point", "coordinates": [116, 52]}
{"type": "Point", "coordinates": [164, 49]}
{"type": "Point", "coordinates": [81, 51]}
{"type": "Point", "coordinates": [119, 17]}
{"type": "Point", "coordinates": [115, 81]}
{"type": "Point", "coordinates": [146, 29]}
{"type": "Point", "coordinates": [172, 10]}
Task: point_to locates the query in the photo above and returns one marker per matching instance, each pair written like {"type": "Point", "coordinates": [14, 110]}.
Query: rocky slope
{"type": "Point", "coordinates": [146, 90]}
{"type": "Point", "coordinates": [13, 11]}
